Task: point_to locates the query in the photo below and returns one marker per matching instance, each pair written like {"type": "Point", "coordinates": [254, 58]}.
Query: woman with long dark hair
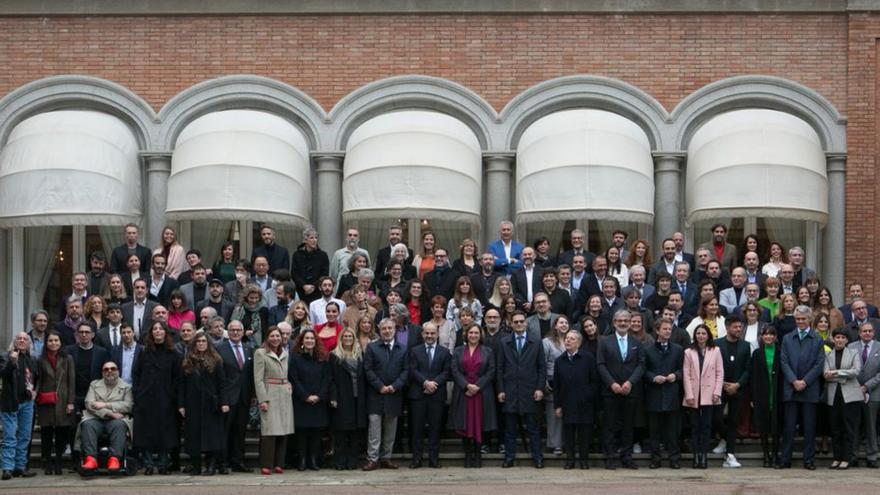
{"type": "Point", "coordinates": [473, 397]}
{"type": "Point", "coordinates": [703, 377]}
{"type": "Point", "coordinates": [766, 381]}
{"type": "Point", "coordinates": [178, 310]}
{"type": "Point", "coordinates": [55, 394]}
{"type": "Point", "coordinates": [155, 378]}
{"type": "Point", "coordinates": [224, 267]}
{"type": "Point", "coordinates": [203, 403]}
{"type": "Point", "coordinates": [309, 372]}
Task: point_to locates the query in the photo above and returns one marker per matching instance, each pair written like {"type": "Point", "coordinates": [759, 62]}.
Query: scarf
{"type": "Point", "coordinates": [256, 323]}
{"type": "Point", "coordinates": [52, 357]}
{"type": "Point", "coordinates": [69, 323]}
{"type": "Point", "coordinates": [351, 365]}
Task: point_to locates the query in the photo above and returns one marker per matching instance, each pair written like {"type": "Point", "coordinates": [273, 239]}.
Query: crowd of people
{"type": "Point", "coordinates": [334, 357]}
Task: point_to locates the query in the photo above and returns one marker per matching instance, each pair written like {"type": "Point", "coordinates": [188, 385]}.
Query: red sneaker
{"type": "Point", "coordinates": [113, 464]}
{"type": "Point", "coordinates": [266, 471]}
{"type": "Point", "coordinates": [90, 463]}
{"type": "Point", "coordinates": [279, 470]}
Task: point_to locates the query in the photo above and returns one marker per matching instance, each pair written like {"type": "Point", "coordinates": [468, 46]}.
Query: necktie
{"type": "Point", "coordinates": [114, 338]}
{"type": "Point", "coordinates": [238, 356]}
{"type": "Point", "coordinates": [802, 334]}
{"type": "Point", "coordinates": [664, 346]}
{"type": "Point", "coordinates": [519, 344]}
{"type": "Point", "coordinates": [430, 355]}
{"type": "Point", "coordinates": [388, 348]}
{"type": "Point", "coordinates": [865, 353]}
{"type": "Point", "coordinates": [682, 288]}
{"type": "Point", "coordinates": [621, 342]}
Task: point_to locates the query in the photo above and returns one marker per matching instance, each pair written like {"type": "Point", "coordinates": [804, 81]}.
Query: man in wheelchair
{"type": "Point", "coordinates": [107, 414]}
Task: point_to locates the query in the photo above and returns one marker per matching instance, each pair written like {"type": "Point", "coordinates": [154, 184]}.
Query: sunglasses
{"type": "Point", "coordinates": [110, 369]}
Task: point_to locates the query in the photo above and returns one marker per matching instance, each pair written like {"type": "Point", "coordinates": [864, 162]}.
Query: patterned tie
{"type": "Point", "coordinates": [519, 344]}
{"type": "Point", "coordinates": [430, 355]}
{"type": "Point", "coordinates": [238, 356]}
{"type": "Point", "coordinates": [621, 342]}
{"type": "Point", "coordinates": [115, 340]}
{"type": "Point", "coordinates": [865, 353]}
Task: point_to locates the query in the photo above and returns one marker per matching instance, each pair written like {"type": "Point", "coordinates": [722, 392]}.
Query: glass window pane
{"type": "Point", "coordinates": [208, 237]}
{"type": "Point", "coordinates": [735, 234]}
{"type": "Point", "coordinates": [447, 235]}
{"type": "Point", "coordinates": [785, 231]}
{"type": "Point", "coordinates": [599, 236]}
{"type": "Point", "coordinates": [59, 268]}
{"type": "Point", "coordinates": [558, 232]}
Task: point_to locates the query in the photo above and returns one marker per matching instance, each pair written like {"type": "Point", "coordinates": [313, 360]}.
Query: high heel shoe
{"type": "Point", "coordinates": [149, 471]}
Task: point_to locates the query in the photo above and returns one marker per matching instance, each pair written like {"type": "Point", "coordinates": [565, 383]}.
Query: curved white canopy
{"type": "Point", "coordinates": [240, 165]}
{"type": "Point", "coordinates": [70, 167]}
{"type": "Point", "coordinates": [584, 163]}
{"type": "Point", "coordinates": [756, 162]}
{"type": "Point", "coordinates": [413, 163]}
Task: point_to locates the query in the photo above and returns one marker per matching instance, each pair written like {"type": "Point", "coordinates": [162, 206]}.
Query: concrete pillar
{"type": "Point", "coordinates": [834, 236]}
{"type": "Point", "coordinates": [498, 188]}
{"type": "Point", "coordinates": [158, 166]}
{"type": "Point", "coordinates": [668, 204]}
{"type": "Point", "coordinates": [328, 216]}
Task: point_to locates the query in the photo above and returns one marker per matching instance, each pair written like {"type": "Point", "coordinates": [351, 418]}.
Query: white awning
{"type": "Point", "coordinates": [413, 164]}
{"type": "Point", "coordinates": [584, 163]}
{"type": "Point", "coordinates": [756, 162]}
{"type": "Point", "coordinates": [240, 165]}
{"type": "Point", "coordinates": [70, 167]}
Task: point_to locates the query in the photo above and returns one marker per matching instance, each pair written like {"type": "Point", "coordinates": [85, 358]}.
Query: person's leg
{"type": "Point", "coordinates": [435, 426]}
{"type": "Point", "coordinates": [23, 437]}
{"type": "Point", "coordinates": [672, 434]}
{"type": "Point", "coordinates": [267, 451]}
{"type": "Point", "coordinates": [554, 425]}
{"type": "Point", "coordinates": [628, 417]}
{"type": "Point", "coordinates": [389, 434]}
{"type": "Point", "coordinates": [280, 450]}
{"type": "Point", "coordinates": [612, 427]}
{"type": "Point", "coordinates": [835, 417]}
{"type": "Point", "coordinates": [569, 439]}
{"type": "Point", "coordinates": [851, 421]}
{"type": "Point", "coordinates": [116, 431]}
{"type": "Point", "coordinates": [734, 404]}
{"type": "Point", "coordinates": [584, 440]}
{"type": "Point", "coordinates": [808, 416]}
{"type": "Point", "coordinates": [89, 432]}
{"type": "Point", "coordinates": [417, 412]}
{"type": "Point", "coordinates": [870, 428]}
{"type": "Point", "coordinates": [315, 453]}
{"type": "Point", "coordinates": [656, 431]}
{"type": "Point", "coordinates": [61, 432]}
{"type": "Point", "coordinates": [510, 426]}
{"type": "Point", "coordinates": [374, 437]}
{"type": "Point", "coordinates": [534, 437]}
{"type": "Point", "coordinates": [788, 430]}
{"type": "Point", "coordinates": [47, 436]}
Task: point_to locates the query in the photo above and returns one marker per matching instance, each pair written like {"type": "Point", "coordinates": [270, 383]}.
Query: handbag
{"type": "Point", "coordinates": [47, 398]}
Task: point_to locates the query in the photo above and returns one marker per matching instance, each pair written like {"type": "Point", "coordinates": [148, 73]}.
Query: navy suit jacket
{"type": "Point", "coordinates": [420, 371]}
{"type": "Point", "coordinates": [802, 360]}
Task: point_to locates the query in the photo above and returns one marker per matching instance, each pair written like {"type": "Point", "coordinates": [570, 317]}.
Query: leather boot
{"type": "Point", "coordinates": [468, 452]}
{"type": "Point", "coordinates": [478, 455]}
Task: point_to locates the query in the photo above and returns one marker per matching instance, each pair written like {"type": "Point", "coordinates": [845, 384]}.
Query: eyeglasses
{"type": "Point", "coordinates": [114, 368]}
{"type": "Point", "coordinates": [84, 332]}
{"type": "Point", "coordinates": [518, 322]}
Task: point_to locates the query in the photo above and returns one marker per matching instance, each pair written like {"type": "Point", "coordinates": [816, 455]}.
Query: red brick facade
{"type": "Point", "coordinates": [497, 56]}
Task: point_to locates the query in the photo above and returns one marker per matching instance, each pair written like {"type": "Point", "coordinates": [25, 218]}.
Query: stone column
{"type": "Point", "coordinates": [668, 203]}
{"type": "Point", "coordinates": [328, 215]}
{"type": "Point", "coordinates": [158, 166]}
{"type": "Point", "coordinates": [15, 296]}
{"type": "Point", "coordinates": [834, 236]}
{"type": "Point", "coordinates": [498, 188]}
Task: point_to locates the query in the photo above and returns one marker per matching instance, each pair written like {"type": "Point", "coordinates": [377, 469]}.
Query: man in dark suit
{"type": "Point", "coordinates": [277, 256]}
{"type": "Point", "coordinates": [666, 264]}
{"type": "Point", "coordinates": [285, 293]}
{"type": "Point", "coordinates": [575, 388]}
{"type": "Point", "coordinates": [736, 354]}
{"type": "Point", "coordinates": [119, 257]}
{"type": "Point", "coordinates": [97, 275]}
{"type": "Point", "coordinates": [309, 263]}
{"type": "Point", "coordinates": [483, 282]}
{"type": "Point", "coordinates": [860, 313]}
{"type": "Point", "coordinates": [521, 377]}
{"type": "Point", "coordinates": [386, 370]}
{"type": "Point", "coordinates": [592, 284]}
{"type": "Point", "coordinates": [161, 284]}
{"type": "Point", "coordinates": [429, 368]}
{"type": "Point", "coordinates": [87, 361]}
{"type": "Point", "coordinates": [79, 289]}
{"type": "Point", "coordinates": [110, 336]}
{"type": "Point", "coordinates": [126, 353]}
{"type": "Point", "coordinates": [139, 311]}
{"type": "Point", "coordinates": [621, 362]}
{"type": "Point", "coordinates": [869, 379]}
{"type": "Point", "coordinates": [441, 280]}
{"type": "Point", "coordinates": [239, 389]}
{"type": "Point", "coordinates": [395, 236]}
{"type": "Point", "coordinates": [577, 248]}
{"type": "Point", "coordinates": [856, 292]}
{"type": "Point", "coordinates": [680, 254]}
{"type": "Point", "coordinates": [681, 283]}
{"type": "Point", "coordinates": [663, 373]}
{"type": "Point", "coordinates": [801, 361]}
{"type": "Point", "coordinates": [214, 299]}
{"type": "Point", "coordinates": [526, 280]}
{"type": "Point", "coordinates": [679, 334]}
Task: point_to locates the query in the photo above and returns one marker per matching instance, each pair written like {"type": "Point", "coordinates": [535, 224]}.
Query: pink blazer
{"type": "Point", "coordinates": [702, 386]}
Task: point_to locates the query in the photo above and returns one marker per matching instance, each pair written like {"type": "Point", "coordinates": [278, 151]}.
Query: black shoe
{"type": "Point", "coordinates": [434, 463]}
{"type": "Point", "coordinates": [809, 466]}
{"type": "Point", "coordinates": [149, 471]}
{"type": "Point", "coordinates": [18, 473]}
{"type": "Point", "coordinates": [48, 467]}
{"type": "Point", "coordinates": [173, 467]}
{"type": "Point", "coordinates": [302, 464]}
{"type": "Point", "coordinates": [210, 470]}
{"type": "Point", "coordinates": [654, 465]}
{"type": "Point", "coordinates": [508, 463]}
{"type": "Point", "coordinates": [164, 471]}
{"type": "Point", "coordinates": [584, 465]}
{"type": "Point", "coordinates": [222, 469]}
{"type": "Point", "coordinates": [538, 464]}
{"type": "Point", "coordinates": [871, 464]}
{"type": "Point", "coordinates": [610, 465]}
{"type": "Point", "coordinates": [7, 475]}
{"type": "Point", "coordinates": [630, 465]}
{"type": "Point", "coordinates": [783, 465]}
{"type": "Point", "coordinates": [674, 465]}
{"type": "Point", "coordinates": [313, 464]}
{"type": "Point", "coordinates": [241, 468]}
{"type": "Point", "coordinates": [415, 464]}
{"type": "Point", "coordinates": [568, 465]}
{"type": "Point", "coordinates": [57, 465]}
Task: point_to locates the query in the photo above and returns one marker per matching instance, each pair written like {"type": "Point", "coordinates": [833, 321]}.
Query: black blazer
{"type": "Point", "coordinates": [119, 258]}
{"type": "Point", "coordinates": [116, 356]}
{"type": "Point", "coordinates": [381, 369]}
{"type": "Point", "coordinates": [440, 285]}
{"type": "Point", "coordinates": [278, 257]}
{"type": "Point", "coordinates": [102, 338]}
{"type": "Point", "coordinates": [128, 316]}
{"type": "Point", "coordinates": [614, 370]}
{"type": "Point", "coordinates": [99, 357]}
{"type": "Point", "coordinates": [520, 286]}
{"type": "Point", "coordinates": [576, 387]}
{"type": "Point", "coordinates": [520, 374]}
{"type": "Point", "coordinates": [239, 382]}
{"type": "Point", "coordinates": [383, 257]}
{"type": "Point", "coordinates": [663, 397]}
{"type": "Point", "coordinates": [567, 258]}
{"type": "Point", "coordinates": [483, 286]}
{"type": "Point", "coordinates": [278, 313]}
{"type": "Point", "coordinates": [420, 372]}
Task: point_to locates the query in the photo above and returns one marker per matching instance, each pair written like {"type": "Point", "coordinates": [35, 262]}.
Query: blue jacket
{"type": "Point", "coordinates": [501, 261]}
{"type": "Point", "coordinates": [802, 360]}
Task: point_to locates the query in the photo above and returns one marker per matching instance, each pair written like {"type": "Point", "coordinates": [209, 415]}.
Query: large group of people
{"type": "Point", "coordinates": [152, 353]}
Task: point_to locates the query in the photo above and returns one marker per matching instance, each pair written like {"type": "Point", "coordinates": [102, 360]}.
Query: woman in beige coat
{"type": "Point", "coordinates": [844, 395]}
{"type": "Point", "coordinates": [274, 397]}
{"type": "Point", "coordinates": [703, 379]}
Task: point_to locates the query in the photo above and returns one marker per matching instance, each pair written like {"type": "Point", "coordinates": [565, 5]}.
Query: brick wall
{"type": "Point", "coordinates": [668, 56]}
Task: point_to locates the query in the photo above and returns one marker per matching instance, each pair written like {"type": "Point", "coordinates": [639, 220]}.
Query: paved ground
{"type": "Point", "coordinates": [490, 480]}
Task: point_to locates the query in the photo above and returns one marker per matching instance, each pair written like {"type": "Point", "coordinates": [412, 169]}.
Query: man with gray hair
{"type": "Point", "coordinates": [386, 254]}
{"type": "Point", "coordinates": [215, 330]}
{"type": "Point", "coordinates": [365, 279]}
{"type": "Point", "coordinates": [506, 249]}
{"type": "Point", "coordinates": [407, 334]}
{"type": "Point", "coordinates": [107, 411]}
{"type": "Point", "coordinates": [621, 362]}
{"type": "Point", "coordinates": [798, 264]}
{"type": "Point", "coordinates": [801, 361]}
{"type": "Point", "coordinates": [339, 263]}
{"type": "Point", "coordinates": [205, 316]}
{"type": "Point", "coordinates": [577, 249]}
{"type": "Point", "coordinates": [308, 264]}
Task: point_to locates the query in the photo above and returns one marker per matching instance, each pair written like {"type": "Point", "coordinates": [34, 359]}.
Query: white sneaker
{"type": "Point", "coordinates": [731, 462]}
{"type": "Point", "coordinates": [637, 448]}
{"type": "Point", "coordinates": [720, 448]}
